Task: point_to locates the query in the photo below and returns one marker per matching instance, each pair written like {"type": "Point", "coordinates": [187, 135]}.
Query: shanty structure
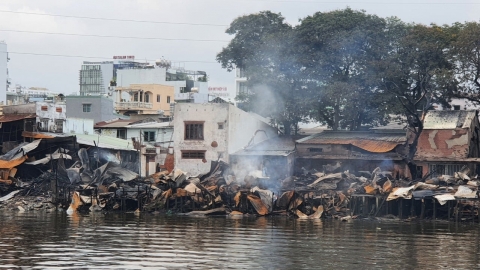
{"type": "Point", "coordinates": [449, 141]}
{"type": "Point", "coordinates": [274, 157]}
{"type": "Point", "coordinates": [357, 151]}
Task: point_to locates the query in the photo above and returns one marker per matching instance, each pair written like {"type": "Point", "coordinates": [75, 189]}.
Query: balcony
{"type": "Point", "coordinates": [134, 105]}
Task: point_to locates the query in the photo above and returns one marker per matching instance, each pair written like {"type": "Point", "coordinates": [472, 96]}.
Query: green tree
{"type": "Point", "coordinates": [263, 47]}
{"type": "Point", "coordinates": [465, 57]}
{"type": "Point", "coordinates": [339, 50]}
{"type": "Point", "coordinates": [417, 72]}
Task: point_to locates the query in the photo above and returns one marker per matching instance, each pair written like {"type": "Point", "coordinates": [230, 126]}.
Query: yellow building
{"type": "Point", "coordinates": [144, 99]}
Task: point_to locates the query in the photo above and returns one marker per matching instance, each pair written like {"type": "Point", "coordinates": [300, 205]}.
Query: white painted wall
{"type": "Point", "coordinates": [126, 77]}
{"type": "Point", "coordinates": [243, 127]}
{"type": "Point", "coordinates": [78, 126]}
{"type": "Point", "coordinates": [51, 113]}
{"type": "Point", "coordinates": [239, 128]}
{"type": "Point", "coordinates": [162, 135]}
{"type": "Point", "coordinates": [211, 114]}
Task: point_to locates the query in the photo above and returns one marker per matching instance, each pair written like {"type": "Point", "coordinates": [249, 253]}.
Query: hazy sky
{"type": "Point", "coordinates": [61, 74]}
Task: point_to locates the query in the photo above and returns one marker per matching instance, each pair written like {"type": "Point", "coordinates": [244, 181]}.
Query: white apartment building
{"type": "Point", "coordinates": [189, 86]}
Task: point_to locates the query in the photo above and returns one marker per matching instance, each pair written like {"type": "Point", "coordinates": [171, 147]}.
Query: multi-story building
{"type": "Point", "coordinates": [189, 86]}
{"type": "Point", "coordinates": [144, 99]}
{"type": "Point", "coordinates": [4, 79]}
{"type": "Point", "coordinates": [49, 115]}
{"type": "Point", "coordinates": [208, 132]}
{"type": "Point", "coordinates": [95, 77]}
{"type": "Point", "coordinates": [241, 87]}
{"type": "Point", "coordinates": [98, 108]}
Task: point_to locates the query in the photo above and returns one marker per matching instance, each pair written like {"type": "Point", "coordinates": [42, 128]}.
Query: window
{"type": "Point", "coordinates": [122, 134]}
{"type": "Point", "coordinates": [193, 130]}
{"type": "Point", "coordinates": [149, 136]}
{"type": "Point", "coordinates": [44, 124]}
{"type": "Point", "coordinates": [158, 98]}
{"type": "Point", "coordinates": [87, 107]}
{"type": "Point", "coordinates": [168, 99]}
{"type": "Point", "coordinates": [58, 109]}
{"type": "Point", "coordinates": [44, 108]}
{"type": "Point", "coordinates": [456, 107]}
{"type": "Point", "coordinates": [182, 90]}
{"type": "Point", "coordinates": [220, 125]}
{"type": "Point", "coordinates": [59, 125]}
{"type": "Point", "coordinates": [193, 154]}
{"type": "Point", "coordinates": [135, 97]}
{"type": "Point", "coordinates": [444, 169]}
{"type": "Point", "coordinates": [147, 98]}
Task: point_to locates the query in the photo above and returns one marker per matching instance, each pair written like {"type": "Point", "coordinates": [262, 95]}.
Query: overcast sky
{"type": "Point", "coordinates": [61, 74]}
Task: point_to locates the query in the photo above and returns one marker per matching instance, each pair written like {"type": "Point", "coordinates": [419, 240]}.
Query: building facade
{"type": "Point", "coordinates": [144, 99]}
{"type": "Point", "coordinates": [449, 141]}
{"type": "Point", "coordinates": [189, 86]}
{"type": "Point", "coordinates": [208, 132]}
{"type": "Point", "coordinates": [98, 108]}
{"type": "Point", "coordinates": [95, 77]}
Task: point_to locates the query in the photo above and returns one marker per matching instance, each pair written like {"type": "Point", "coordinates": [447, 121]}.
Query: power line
{"type": "Point", "coordinates": [100, 57]}
{"type": "Point", "coordinates": [110, 19]}
{"type": "Point", "coordinates": [122, 37]}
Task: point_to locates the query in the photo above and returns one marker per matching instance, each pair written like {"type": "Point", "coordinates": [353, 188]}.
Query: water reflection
{"type": "Point", "coordinates": [45, 240]}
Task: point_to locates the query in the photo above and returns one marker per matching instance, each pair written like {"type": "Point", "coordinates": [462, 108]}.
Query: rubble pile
{"type": "Point", "coordinates": [308, 195]}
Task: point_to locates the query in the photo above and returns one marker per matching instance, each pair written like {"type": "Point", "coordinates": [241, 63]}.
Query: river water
{"type": "Point", "coordinates": [38, 240]}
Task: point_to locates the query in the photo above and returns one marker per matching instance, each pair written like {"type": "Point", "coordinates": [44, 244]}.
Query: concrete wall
{"type": "Point", "coordinates": [3, 72]}
{"type": "Point", "coordinates": [163, 135]}
{"type": "Point", "coordinates": [126, 77]}
{"type": "Point", "coordinates": [101, 110]}
{"type": "Point", "coordinates": [211, 115]}
{"type": "Point", "coordinates": [239, 128]}
{"type": "Point", "coordinates": [244, 127]}
{"type": "Point", "coordinates": [55, 111]}
{"type": "Point", "coordinates": [78, 126]}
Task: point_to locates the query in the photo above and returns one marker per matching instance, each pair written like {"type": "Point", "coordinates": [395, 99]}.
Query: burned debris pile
{"type": "Point", "coordinates": [72, 180]}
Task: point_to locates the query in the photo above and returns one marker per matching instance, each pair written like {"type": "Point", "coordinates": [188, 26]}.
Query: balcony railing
{"type": "Point", "coordinates": [132, 105]}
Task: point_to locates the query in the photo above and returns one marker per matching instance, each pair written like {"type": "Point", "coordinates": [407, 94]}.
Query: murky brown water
{"type": "Point", "coordinates": [113, 241]}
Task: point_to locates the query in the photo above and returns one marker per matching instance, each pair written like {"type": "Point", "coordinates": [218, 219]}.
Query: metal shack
{"type": "Point", "coordinates": [449, 141]}
{"type": "Point", "coordinates": [354, 150]}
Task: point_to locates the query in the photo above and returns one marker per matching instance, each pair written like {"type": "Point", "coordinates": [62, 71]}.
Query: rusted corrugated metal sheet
{"type": "Point", "coordinates": [15, 117]}
{"type": "Point", "coordinates": [369, 141]}
{"type": "Point", "coordinates": [36, 135]}
{"type": "Point", "coordinates": [448, 119]}
{"type": "Point", "coordinates": [9, 164]}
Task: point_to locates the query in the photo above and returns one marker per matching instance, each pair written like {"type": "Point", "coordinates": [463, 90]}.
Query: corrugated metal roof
{"type": "Point", "coordinates": [105, 141]}
{"type": "Point", "coordinates": [448, 119]}
{"type": "Point", "coordinates": [151, 125]}
{"type": "Point", "coordinates": [15, 117]}
{"type": "Point", "coordinates": [118, 123]}
{"type": "Point", "coordinates": [375, 142]}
